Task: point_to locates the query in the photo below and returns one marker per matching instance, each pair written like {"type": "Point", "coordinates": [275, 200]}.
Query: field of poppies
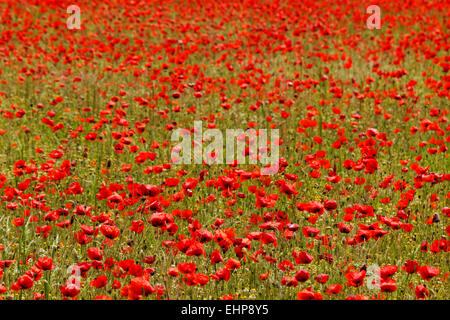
{"type": "Point", "coordinates": [94, 205]}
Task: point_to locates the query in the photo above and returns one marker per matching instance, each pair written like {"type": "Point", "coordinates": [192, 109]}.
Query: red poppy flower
{"type": "Point", "coordinates": [94, 254]}
{"type": "Point", "coordinates": [23, 283]}
{"type": "Point", "coordinates": [308, 294]}
{"type": "Point", "coordinates": [264, 276]}
{"type": "Point", "coordinates": [387, 271]}
{"type": "Point", "coordinates": [222, 274]}
{"type": "Point", "coordinates": [173, 272]}
{"type": "Point", "coordinates": [388, 285]}
{"type": "Point", "coordinates": [99, 282]}
{"type": "Point", "coordinates": [216, 257]}
{"type": "Point", "coordinates": [355, 279]}
{"type": "Point", "coordinates": [232, 264]}
{"type": "Point", "coordinates": [334, 289]}
{"type": "Point", "coordinates": [289, 281]}
{"type": "Point", "coordinates": [411, 266]}
{"type": "Point", "coordinates": [186, 268]}
{"type": "Point", "coordinates": [302, 275]}
{"type": "Point", "coordinates": [45, 263]}
{"type": "Point", "coordinates": [139, 287]}
{"type": "Point", "coordinates": [137, 226]}
{"type": "Point", "coordinates": [428, 272]}
{"type": "Point", "coordinates": [70, 290]}
{"type": "Point", "coordinates": [322, 278]}
{"type": "Point", "coordinates": [286, 265]}
{"type": "Point", "coordinates": [302, 257]}
{"type": "Point", "coordinates": [421, 292]}
{"type": "Point", "coordinates": [111, 232]}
